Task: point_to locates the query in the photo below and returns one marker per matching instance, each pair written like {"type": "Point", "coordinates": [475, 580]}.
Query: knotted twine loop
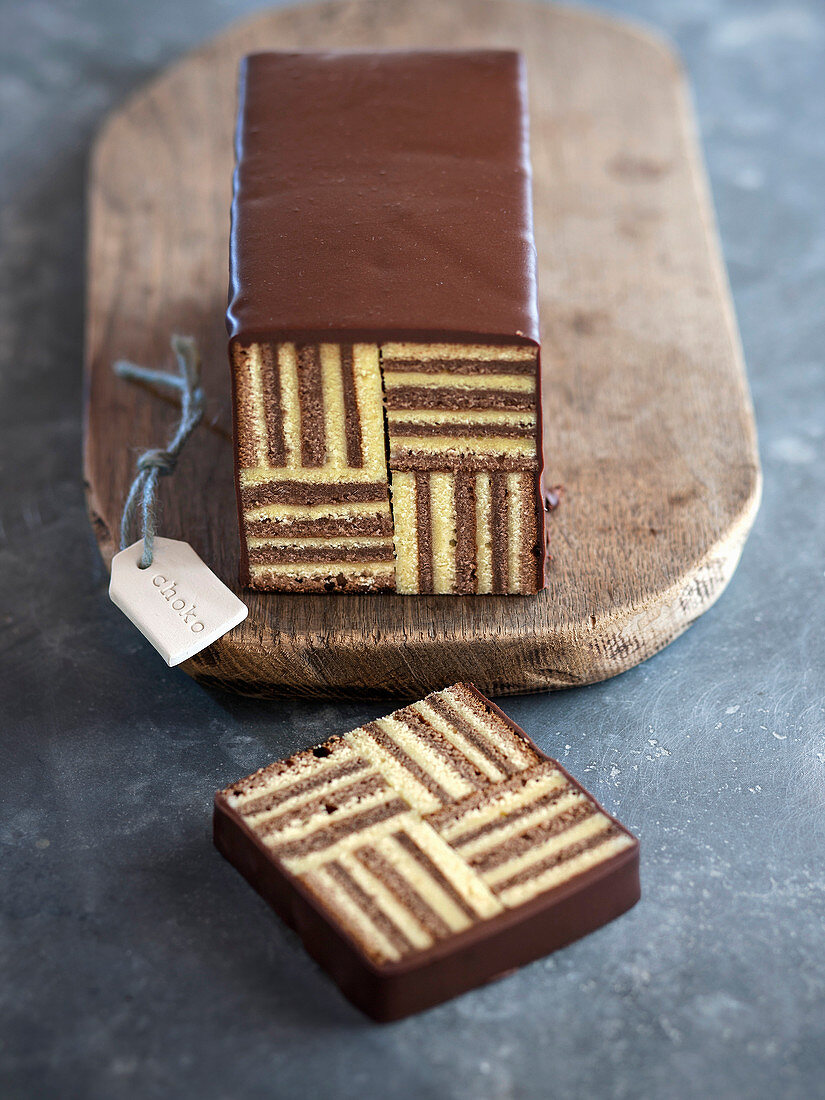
{"type": "Point", "coordinates": [161, 462]}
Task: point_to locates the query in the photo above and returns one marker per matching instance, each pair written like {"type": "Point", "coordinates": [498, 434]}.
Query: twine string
{"type": "Point", "coordinates": [161, 462]}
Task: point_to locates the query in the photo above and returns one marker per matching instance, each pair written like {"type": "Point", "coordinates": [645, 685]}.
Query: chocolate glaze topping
{"type": "Point", "coordinates": [383, 196]}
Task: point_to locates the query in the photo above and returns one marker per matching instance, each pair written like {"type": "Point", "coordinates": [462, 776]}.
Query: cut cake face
{"type": "Point", "coordinates": [444, 504]}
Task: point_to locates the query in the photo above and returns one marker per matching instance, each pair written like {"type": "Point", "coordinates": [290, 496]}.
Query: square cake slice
{"type": "Point", "coordinates": [427, 852]}
{"type": "Point", "coordinates": [383, 321]}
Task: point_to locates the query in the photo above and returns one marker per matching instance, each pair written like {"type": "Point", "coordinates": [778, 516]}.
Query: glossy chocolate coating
{"type": "Point", "coordinates": [383, 195]}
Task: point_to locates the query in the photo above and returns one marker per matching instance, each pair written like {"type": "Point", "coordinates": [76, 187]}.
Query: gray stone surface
{"type": "Point", "coordinates": [135, 962]}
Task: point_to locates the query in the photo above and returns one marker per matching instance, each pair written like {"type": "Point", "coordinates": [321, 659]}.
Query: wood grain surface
{"type": "Point", "coordinates": [648, 420]}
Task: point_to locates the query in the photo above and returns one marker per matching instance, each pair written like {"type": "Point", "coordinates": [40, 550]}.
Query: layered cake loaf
{"type": "Point", "coordinates": [427, 852]}
{"type": "Point", "coordinates": [383, 323]}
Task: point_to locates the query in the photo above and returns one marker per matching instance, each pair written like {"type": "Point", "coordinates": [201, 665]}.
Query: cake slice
{"type": "Point", "coordinates": [383, 325]}
{"type": "Point", "coordinates": [427, 852]}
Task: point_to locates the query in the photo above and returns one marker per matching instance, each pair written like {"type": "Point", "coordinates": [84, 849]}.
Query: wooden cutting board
{"type": "Point", "coordinates": [648, 420]}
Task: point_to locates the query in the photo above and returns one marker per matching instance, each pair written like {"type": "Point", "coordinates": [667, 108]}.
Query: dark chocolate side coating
{"type": "Point", "coordinates": [488, 950]}
{"type": "Point", "coordinates": [390, 199]}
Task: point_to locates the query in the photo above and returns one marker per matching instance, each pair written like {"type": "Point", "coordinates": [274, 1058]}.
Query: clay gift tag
{"type": "Point", "coordinates": [177, 602]}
